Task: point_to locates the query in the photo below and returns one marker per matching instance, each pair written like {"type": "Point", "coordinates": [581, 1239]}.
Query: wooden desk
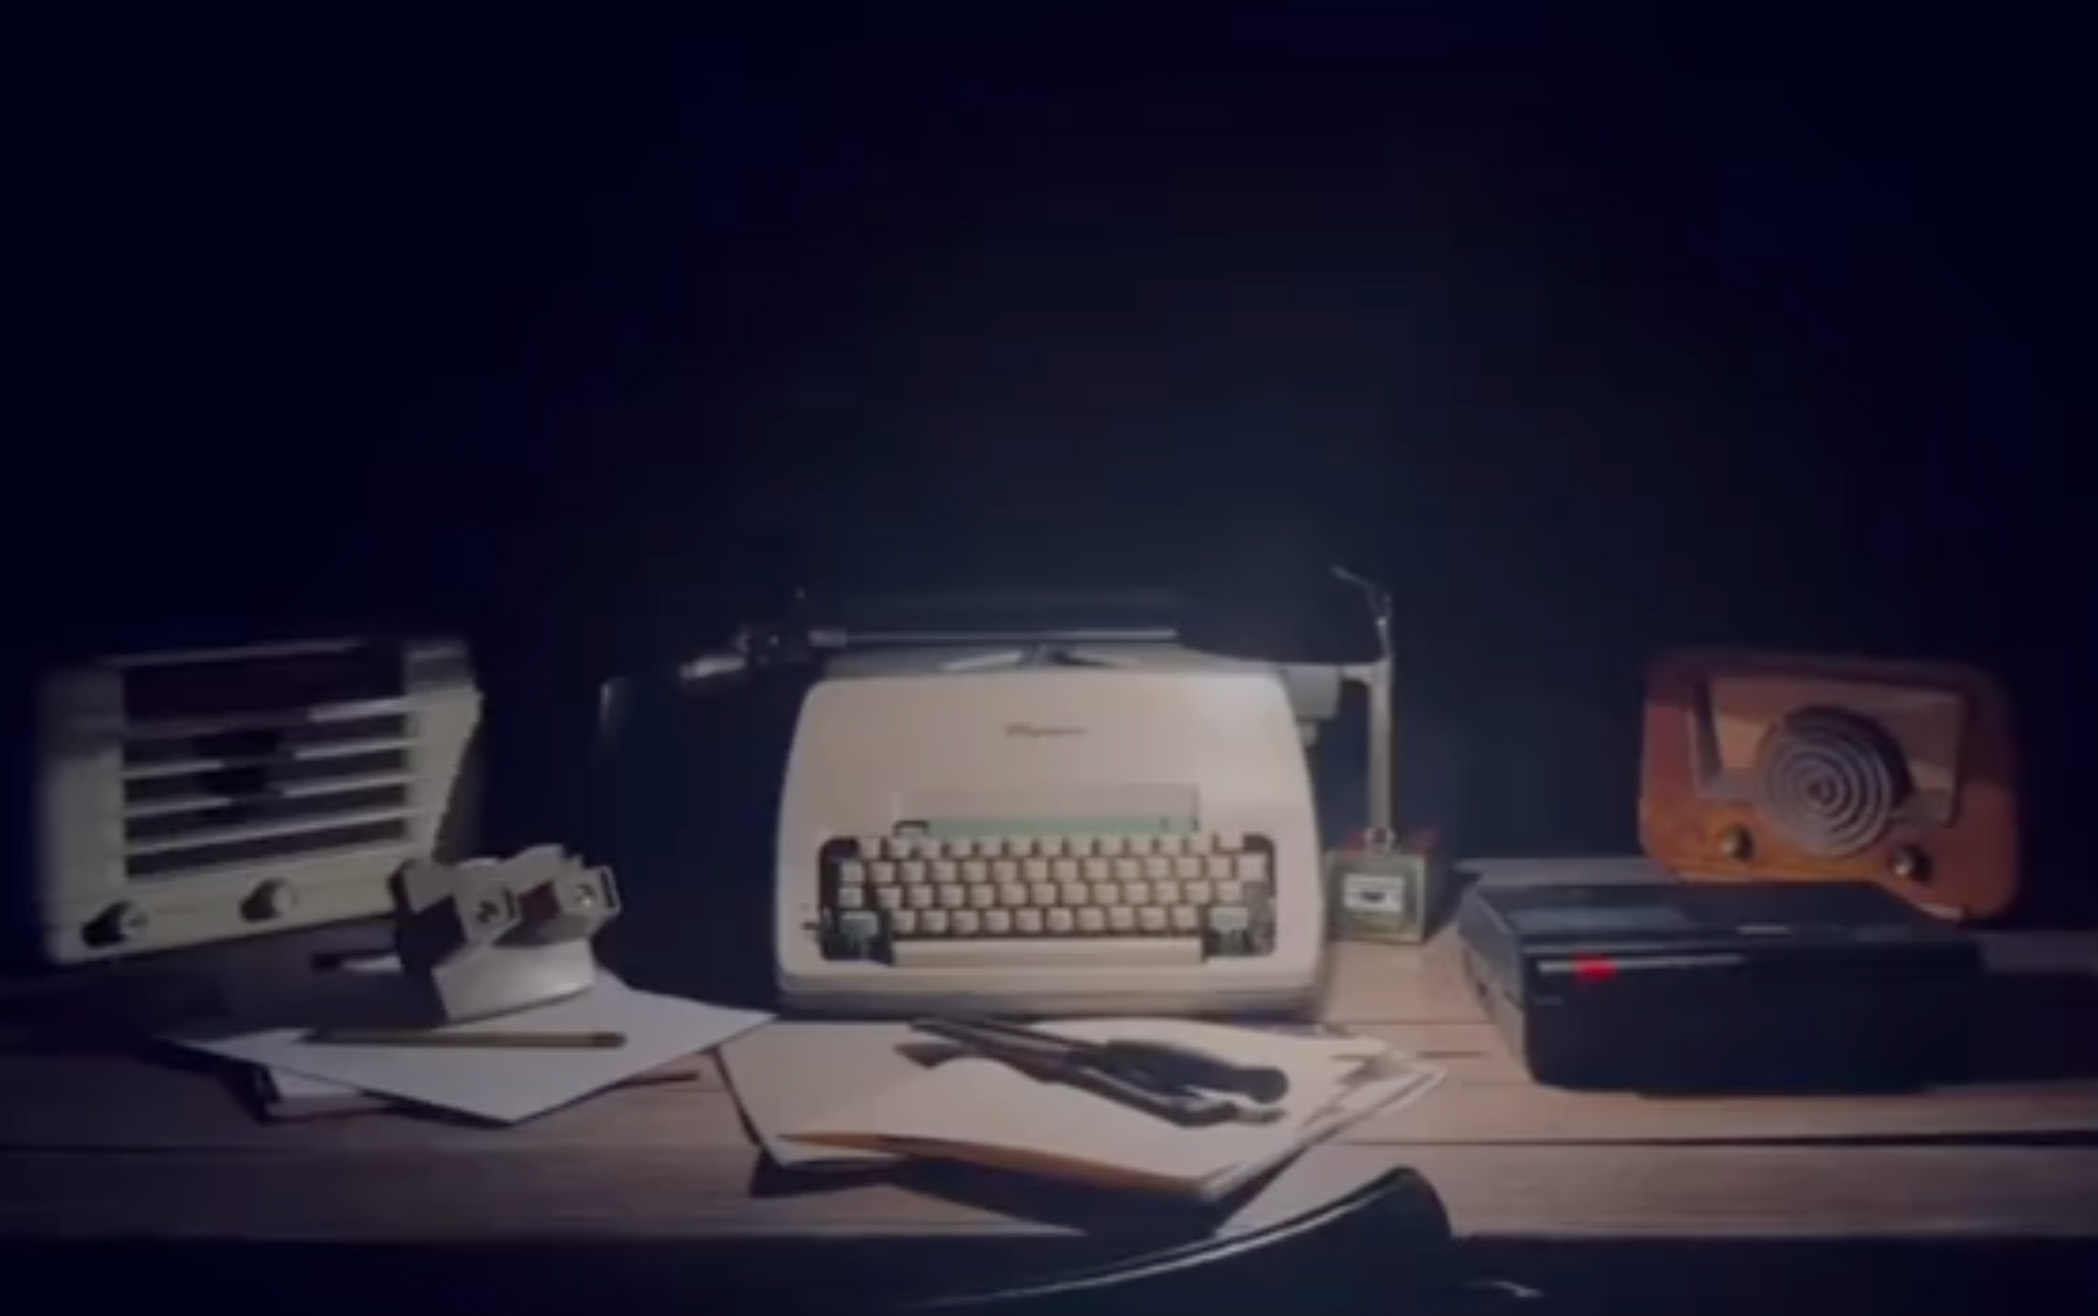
{"type": "Point", "coordinates": [102, 1145]}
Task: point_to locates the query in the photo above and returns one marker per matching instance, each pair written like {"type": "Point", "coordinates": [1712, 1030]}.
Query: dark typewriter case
{"type": "Point", "coordinates": [1660, 987]}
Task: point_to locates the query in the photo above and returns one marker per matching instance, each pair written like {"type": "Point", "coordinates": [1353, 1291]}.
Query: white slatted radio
{"type": "Point", "coordinates": [192, 797]}
{"type": "Point", "coordinates": [1049, 840]}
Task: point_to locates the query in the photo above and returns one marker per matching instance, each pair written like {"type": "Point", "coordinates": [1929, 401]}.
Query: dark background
{"type": "Point", "coordinates": [1588, 336]}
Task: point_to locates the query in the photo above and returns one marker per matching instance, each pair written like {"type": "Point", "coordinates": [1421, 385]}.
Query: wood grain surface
{"type": "Point", "coordinates": [96, 1141]}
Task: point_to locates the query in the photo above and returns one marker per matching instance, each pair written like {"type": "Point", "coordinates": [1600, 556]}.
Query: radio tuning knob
{"type": "Point", "coordinates": [1911, 864]}
{"type": "Point", "coordinates": [119, 923]}
{"type": "Point", "coordinates": [1736, 844]}
{"type": "Point", "coordinates": [273, 899]}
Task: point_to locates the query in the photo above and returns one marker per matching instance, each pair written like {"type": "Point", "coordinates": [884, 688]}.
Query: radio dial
{"type": "Point", "coordinates": [273, 899]}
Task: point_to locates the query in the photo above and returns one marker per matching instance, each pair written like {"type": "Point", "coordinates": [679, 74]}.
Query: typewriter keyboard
{"type": "Point", "coordinates": [1047, 900]}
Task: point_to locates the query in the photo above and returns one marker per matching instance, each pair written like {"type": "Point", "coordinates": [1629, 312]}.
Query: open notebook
{"type": "Point", "coordinates": [984, 1112]}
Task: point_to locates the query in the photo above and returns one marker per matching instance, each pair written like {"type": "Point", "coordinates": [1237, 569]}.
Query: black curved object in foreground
{"type": "Point", "coordinates": [1388, 1240]}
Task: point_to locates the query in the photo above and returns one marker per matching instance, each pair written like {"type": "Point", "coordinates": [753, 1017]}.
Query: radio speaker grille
{"type": "Point", "coordinates": [1830, 780]}
{"type": "Point", "coordinates": [243, 780]}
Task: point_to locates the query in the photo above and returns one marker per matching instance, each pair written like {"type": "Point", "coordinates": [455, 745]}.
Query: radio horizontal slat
{"type": "Point", "coordinates": [332, 647]}
{"type": "Point", "coordinates": [342, 837]}
{"type": "Point", "coordinates": [164, 779]}
{"type": "Point", "coordinates": [200, 799]}
{"type": "Point", "coordinates": [244, 831]}
{"type": "Point", "coordinates": [259, 772]}
{"type": "Point", "coordinates": [214, 818]}
{"type": "Point", "coordinates": [261, 720]}
{"type": "Point", "coordinates": [254, 741]}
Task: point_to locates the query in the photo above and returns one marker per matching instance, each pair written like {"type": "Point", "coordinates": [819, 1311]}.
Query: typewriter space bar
{"type": "Point", "coordinates": [1050, 953]}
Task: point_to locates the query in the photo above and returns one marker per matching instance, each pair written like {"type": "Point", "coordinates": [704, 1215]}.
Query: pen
{"type": "Point", "coordinates": [494, 1041]}
{"type": "Point", "coordinates": [1174, 1083]}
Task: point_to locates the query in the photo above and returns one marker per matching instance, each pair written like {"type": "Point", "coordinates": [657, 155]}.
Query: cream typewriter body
{"type": "Point", "coordinates": [1049, 840]}
{"type": "Point", "coordinates": [193, 797]}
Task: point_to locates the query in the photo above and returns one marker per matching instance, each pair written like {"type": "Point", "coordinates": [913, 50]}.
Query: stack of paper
{"type": "Point", "coordinates": [985, 1112]}
{"type": "Point", "coordinates": [283, 1095]}
{"type": "Point", "coordinates": [505, 1085]}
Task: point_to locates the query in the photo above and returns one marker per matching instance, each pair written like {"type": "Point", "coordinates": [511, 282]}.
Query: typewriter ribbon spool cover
{"type": "Point", "coordinates": [1759, 765]}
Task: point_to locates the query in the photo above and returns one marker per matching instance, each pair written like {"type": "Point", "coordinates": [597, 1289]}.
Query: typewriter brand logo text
{"type": "Point", "coordinates": [1039, 731]}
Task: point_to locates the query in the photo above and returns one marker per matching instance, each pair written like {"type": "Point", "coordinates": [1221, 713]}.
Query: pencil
{"type": "Point", "coordinates": [501, 1041]}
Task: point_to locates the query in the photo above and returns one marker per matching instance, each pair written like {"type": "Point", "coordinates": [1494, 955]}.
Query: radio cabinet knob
{"type": "Point", "coordinates": [273, 899]}
{"type": "Point", "coordinates": [119, 923]}
{"type": "Point", "coordinates": [1911, 864]}
{"type": "Point", "coordinates": [1736, 844]}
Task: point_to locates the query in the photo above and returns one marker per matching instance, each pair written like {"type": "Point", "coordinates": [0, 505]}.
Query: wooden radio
{"type": "Point", "coordinates": [1813, 768]}
{"type": "Point", "coordinates": [183, 798]}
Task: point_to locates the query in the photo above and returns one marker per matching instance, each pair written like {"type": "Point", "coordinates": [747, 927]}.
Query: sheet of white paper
{"type": "Point", "coordinates": [298, 1087]}
{"type": "Point", "coordinates": [505, 1086]}
{"type": "Point", "coordinates": [1389, 1086]}
{"type": "Point", "coordinates": [984, 1103]}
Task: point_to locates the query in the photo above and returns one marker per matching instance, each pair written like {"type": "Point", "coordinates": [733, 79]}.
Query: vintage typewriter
{"type": "Point", "coordinates": [1044, 821]}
